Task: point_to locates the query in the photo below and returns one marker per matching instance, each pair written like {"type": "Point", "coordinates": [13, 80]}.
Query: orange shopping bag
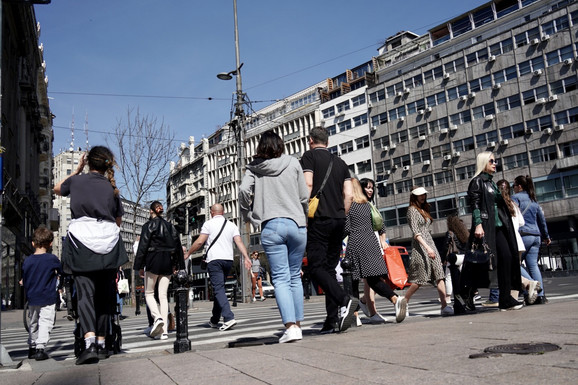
{"type": "Point", "coordinates": [397, 276]}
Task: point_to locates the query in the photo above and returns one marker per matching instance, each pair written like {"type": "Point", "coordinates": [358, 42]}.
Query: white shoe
{"type": "Point", "coordinates": [378, 319]}
{"type": "Point", "coordinates": [147, 331]}
{"type": "Point", "coordinates": [400, 309]}
{"type": "Point", "coordinates": [346, 314]}
{"type": "Point", "coordinates": [164, 336]}
{"type": "Point", "coordinates": [228, 325]}
{"type": "Point", "coordinates": [446, 311]}
{"type": "Point", "coordinates": [253, 300]}
{"type": "Point", "coordinates": [358, 321]}
{"type": "Point", "coordinates": [157, 328]}
{"type": "Point", "coordinates": [364, 309]}
{"type": "Point", "coordinates": [293, 333]}
{"type": "Point", "coordinates": [533, 289]}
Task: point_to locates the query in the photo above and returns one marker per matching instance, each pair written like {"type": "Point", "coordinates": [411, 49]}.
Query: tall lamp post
{"type": "Point", "coordinates": [238, 126]}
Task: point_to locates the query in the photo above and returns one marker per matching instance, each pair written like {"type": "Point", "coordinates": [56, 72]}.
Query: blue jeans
{"type": "Point", "coordinates": [530, 256]}
{"type": "Point", "coordinates": [284, 243]}
{"type": "Point", "coordinates": [218, 270]}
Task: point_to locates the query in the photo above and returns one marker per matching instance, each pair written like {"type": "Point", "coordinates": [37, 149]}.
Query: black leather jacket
{"type": "Point", "coordinates": [159, 248]}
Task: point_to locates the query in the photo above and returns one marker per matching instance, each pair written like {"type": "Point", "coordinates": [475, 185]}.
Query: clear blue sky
{"type": "Point", "coordinates": [169, 51]}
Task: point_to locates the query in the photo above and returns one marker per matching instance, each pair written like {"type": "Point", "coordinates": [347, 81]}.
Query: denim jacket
{"type": "Point", "coordinates": [533, 216]}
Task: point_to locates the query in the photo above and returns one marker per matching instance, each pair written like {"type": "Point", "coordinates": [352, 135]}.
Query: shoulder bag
{"type": "Point", "coordinates": [376, 218]}
{"type": "Point", "coordinates": [479, 253]}
{"type": "Point", "coordinates": [314, 202]}
{"type": "Point", "coordinates": [204, 261]}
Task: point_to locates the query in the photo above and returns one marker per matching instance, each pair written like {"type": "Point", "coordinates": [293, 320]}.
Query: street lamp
{"type": "Point", "coordinates": [238, 129]}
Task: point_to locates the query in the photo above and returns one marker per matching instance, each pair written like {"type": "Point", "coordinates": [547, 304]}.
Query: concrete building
{"type": "Point", "coordinates": [501, 77]}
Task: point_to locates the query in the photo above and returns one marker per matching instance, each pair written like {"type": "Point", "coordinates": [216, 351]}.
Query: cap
{"type": "Point", "coordinates": [419, 191]}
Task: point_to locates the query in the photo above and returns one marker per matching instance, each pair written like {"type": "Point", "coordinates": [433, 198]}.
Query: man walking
{"type": "Point", "coordinates": [325, 230]}
{"type": "Point", "coordinates": [220, 234]}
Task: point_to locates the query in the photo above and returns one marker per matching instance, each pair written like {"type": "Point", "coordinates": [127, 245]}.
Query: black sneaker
{"type": "Point", "coordinates": [88, 356]}
{"type": "Point", "coordinates": [329, 327]}
{"type": "Point", "coordinates": [40, 355]}
{"type": "Point", "coordinates": [31, 352]}
{"type": "Point", "coordinates": [102, 353]}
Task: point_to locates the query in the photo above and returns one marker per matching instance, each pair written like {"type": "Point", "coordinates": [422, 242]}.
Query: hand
{"type": "Point", "coordinates": [479, 232]}
{"type": "Point", "coordinates": [81, 163]}
{"type": "Point", "coordinates": [547, 241]}
{"type": "Point", "coordinates": [430, 252]}
{"type": "Point", "coordinates": [384, 245]}
{"type": "Point", "coordinates": [248, 263]}
{"type": "Point", "coordinates": [141, 273]}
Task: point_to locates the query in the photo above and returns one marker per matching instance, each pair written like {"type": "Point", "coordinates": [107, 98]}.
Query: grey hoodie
{"type": "Point", "coordinates": [274, 188]}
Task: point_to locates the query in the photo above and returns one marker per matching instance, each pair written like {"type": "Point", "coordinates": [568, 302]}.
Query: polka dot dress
{"type": "Point", "coordinates": [422, 269]}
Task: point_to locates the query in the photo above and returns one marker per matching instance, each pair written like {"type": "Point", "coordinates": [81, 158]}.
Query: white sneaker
{"type": "Point", "coordinates": [254, 299]}
{"type": "Point", "coordinates": [378, 319]}
{"type": "Point", "coordinates": [164, 336]}
{"type": "Point", "coordinates": [364, 309]}
{"type": "Point", "coordinates": [358, 321]}
{"type": "Point", "coordinates": [400, 309]}
{"type": "Point", "coordinates": [293, 333]}
{"type": "Point", "coordinates": [157, 328]}
{"type": "Point", "coordinates": [228, 325]}
{"type": "Point", "coordinates": [446, 311]}
{"type": "Point", "coordinates": [533, 289]}
{"type": "Point", "coordinates": [346, 314]}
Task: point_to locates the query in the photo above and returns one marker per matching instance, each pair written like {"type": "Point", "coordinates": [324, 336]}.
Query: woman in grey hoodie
{"type": "Point", "coordinates": [273, 195]}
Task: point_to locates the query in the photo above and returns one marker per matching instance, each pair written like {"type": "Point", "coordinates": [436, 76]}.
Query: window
{"type": "Point", "coordinates": [508, 103]}
{"type": "Point", "coordinates": [481, 83]}
{"type": "Point", "coordinates": [346, 147]}
{"type": "Point", "coordinates": [332, 130]}
{"type": "Point", "coordinates": [514, 131]}
{"type": "Point", "coordinates": [543, 154]}
{"type": "Point", "coordinates": [436, 73]}
{"type": "Point", "coordinates": [414, 106]}
{"type": "Point", "coordinates": [444, 177]}
{"type": "Point", "coordinates": [438, 124]}
{"type": "Point", "coordinates": [571, 185]}
{"type": "Point", "coordinates": [454, 93]}
{"type": "Point", "coordinates": [389, 216]}
{"type": "Point", "coordinates": [423, 181]}
{"type": "Point", "coordinates": [568, 116]}
{"type": "Point", "coordinates": [360, 120]}
{"type": "Point", "coordinates": [531, 65]}
{"type": "Point", "coordinates": [333, 150]}
{"type": "Point", "coordinates": [345, 125]}
{"type": "Point", "coordinates": [483, 16]}
{"type": "Point", "coordinates": [413, 82]}
{"type": "Point", "coordinates": [362, 142]}
{"type": "Point", "coordinates": [420, 156]}
{"type": "Point", "coordinates": [375, 96]}
{"type": "Point", "coordinates": [328, 112]}
{"type": "Point", "coordinates": [532, 95]}
{"type": "Point", "coordinates": [344, 106]}
{"type": "Point", "coordinates": [461, 26]}
{"type": "Point", "coordinates": [381, 142]}
{"type": "Point", "coordinates": [403, 187]}
{"type": "Point", "coordinates": [539, 124]}
{"type": "Point", "coordinates": [396, 113]}
{"type": "Point", "coordinates": [477, 57]}
{"type": "Point", "coordinates": [401, 161]}
{"type": "Point", "coordinates": [440, 35]}
{"type": "Point", "coordinates": [416, 132]}
{"type": "Point", "coordinates": [464, 144]}
{"type": "Point", "coordinates": [399, 137]}
{"type": "Point", "coordinates": [441, 150]}
{"type": "Point", "coordinates": [505, 74]}
{"type": "Point", "coordinates": [549, 190]}
{"type": "Point", "coordinates": [555, 25]}
{"type": "Point", "coordinates": [379, 119]}
{"type": "Point", "coordinates": [564, 85]}
{"type": "Point", "coordinates": [436, 99]}
{"type": "Point", "coordinates": [363, 167]}
{"type": "Point", "coordinates": [455, 65]}
{"type": "Point", "coordinates": [483, 110]}
{"type": "Point", "coordinates": [383, 166]}
{"type": "Point", "coordinates": [461, 117]}
{"type": "Point", "coordinates": [360, 99]}
{"type": "Point", "coordinates": [569, 149]}
{"type": "Point", "coordinates": [559, 55]}
{"type": "Point", "coordinates": [526, 37]}
{"type": "Point", "coordinates": [501, 47]}
{"type": "Point", "coordinates": [466, 172]}
{"type": "Point", "coordinates": [506, 6]}
{"type": "Point", "coordinates": [515, 161]}
{"type": "Point", "coordinates": [394, 89]}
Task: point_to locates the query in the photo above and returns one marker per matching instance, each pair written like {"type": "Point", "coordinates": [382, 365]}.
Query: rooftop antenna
{"type": "Point", "coordinates": [86, 130]}
{"type": "Point", "coordinates": [72, 132]}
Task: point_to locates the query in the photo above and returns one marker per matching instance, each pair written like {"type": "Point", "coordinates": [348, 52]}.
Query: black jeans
{"type": "Point", "coordinates": [509, 275]}
{"type": "Point", "coordinates": [96, 293]}
{"type": "Point", "coordinates": [324, 238]}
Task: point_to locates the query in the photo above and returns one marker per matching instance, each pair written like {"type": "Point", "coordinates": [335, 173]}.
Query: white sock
{"type": "Point", "coordinates": [89, 341]}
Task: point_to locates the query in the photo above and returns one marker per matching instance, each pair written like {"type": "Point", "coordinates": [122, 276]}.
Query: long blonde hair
{"type": "Point", "coordinates": [358, 194]}
{"type": "Point", "coordinates": [482, 161]}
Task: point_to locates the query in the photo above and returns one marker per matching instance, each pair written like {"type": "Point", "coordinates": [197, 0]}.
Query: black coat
{"type": "Point", "coordinates": [482, 196]}
{"type": "Point", "coordinates": [159, 248]}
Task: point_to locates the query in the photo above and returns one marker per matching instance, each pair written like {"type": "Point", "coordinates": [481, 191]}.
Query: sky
{"type": "Point", "coordinates": [106, 57]}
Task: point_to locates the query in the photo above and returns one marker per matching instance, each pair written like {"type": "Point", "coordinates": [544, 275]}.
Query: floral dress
{"type": "Point", "coordinates": [422, 268]}
{"type": "Point", "coordinates": [363, 248]}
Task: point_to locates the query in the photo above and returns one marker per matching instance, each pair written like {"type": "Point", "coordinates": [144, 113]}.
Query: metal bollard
{"type": "Point", "coordinates": [181, 279]}
{"type": "Point", "coordinates": [235, 288]}
{"type": "Point", "coordinates": [137, 303]}
{"type": "Point", "coordinates": [346, 265]}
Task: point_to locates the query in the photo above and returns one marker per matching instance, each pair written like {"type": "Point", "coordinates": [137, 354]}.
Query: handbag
{"type": "Point", "coordinates": [123, 286]}
{"type": "Point", "coordinates": [206, 255]}
{"type": "Point", "coordinates": [376, 218]}
{"type": "Point", "coordinates": [396, 274]}
{"type": "Point", "coordinates": [479, 253]}
{"type": "Point", "coordinates": [314, 201]}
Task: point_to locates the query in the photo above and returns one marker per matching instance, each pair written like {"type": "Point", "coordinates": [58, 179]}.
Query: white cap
{"type": "Point", "coordinates": [419, 191]}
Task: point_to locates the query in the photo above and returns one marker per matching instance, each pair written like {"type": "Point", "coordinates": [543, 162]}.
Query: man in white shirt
{"type": "Point", "coordinates": [219, 234]}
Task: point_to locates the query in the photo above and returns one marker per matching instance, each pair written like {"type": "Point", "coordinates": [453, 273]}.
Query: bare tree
{"type": "Point", "coordinates": [142, 145]}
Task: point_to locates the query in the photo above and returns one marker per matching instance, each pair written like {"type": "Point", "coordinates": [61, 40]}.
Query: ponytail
{"type": "Point", "coordinates": [101, 159]}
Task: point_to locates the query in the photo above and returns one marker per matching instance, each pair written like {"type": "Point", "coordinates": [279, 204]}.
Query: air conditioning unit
{"type": "Point", "coordinates": [444, 130]}
{"type": "Point", "coordinates": [472, 95]}
{"type": "Point", "coordinates": [446, 76]}
{"type": "Point", "coordinates": [388, 172]}
{"type": "Point", "coordinates": [491, 144]}
{"type": "Point", "coordinates": [548, 131]}
{"type": "Point", "coordinates": [568, 62]}
{"type": "Point", "coordinates": [402, 118]}
{"type": "Point", "coordinates": [406, 90]}
{"type": "Point", "coordinates": [489, 117]}
{"type": "Point", "coordinates": [541, 100]}
{"type": "Point", "coordinates": [504, 142]}
{"type": "Point", "coordinates": [528, 131]}
{"type": "Point", "coordinates": [463, 98]}
{"type": "Point", "coordinates": [340, 114]}
{"type": "Point", "coordinates": [394, 167]}
{"type": "Point", "coordinates": [373, 128]}
{"type": "Point", "coordinates": [385, 148]}
{"type": "Point", "coordinates": [421, 112]}
{"type": "Point", "coordinates": [537, 72]}
{"type": "Point", "coordinates": [426, 162]}
{"type": "Point", "coordinates": [421, 137]}
{"type": "Point", "coordinates": [454, 127]}
{"type": "Point", "coordinates": [393, 146]}
{"type": "Point", "coordinates": [535, 41]}
{"type": "Point", "coordinates": [369, 104]}
{"type": "Point", "coordinates": [405, 168]}
{"type": "Point", "coordinates": [497, 86]}
{"type": "Point", "coordinates": [456, 154]}
{"type": "Point", "coordinates": [428, 109]}
{"type": "Point", "coordinates": [552, 98]}
{"type": "Point", "coordinates": [559, 127]}
{"type": "Point", "coordinates": [492, 58]}
{"type": "Point", "coordinates": [545, 37]}
{"type": "Point", "coordinates": [399, 93]}
{"type": "Point", "coordinates": [447, 157]}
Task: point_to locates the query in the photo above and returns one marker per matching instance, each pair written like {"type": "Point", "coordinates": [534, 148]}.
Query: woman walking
{"type": "Point", "coordinates": [425, 264]}
{"type": "Point", "coordinates": [534, 231]}
{"type": "Point", "coordinates": [256, 280]}
{"type": "Point", "coordinates": [273, 195]}
{"type": "Point", "coordinates": [366, 252]}
{"type": "Point", "coordinates": [93, 249]}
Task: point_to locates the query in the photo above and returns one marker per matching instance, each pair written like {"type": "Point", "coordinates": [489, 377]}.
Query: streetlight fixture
{"type": "Point", "coordinates": [237, 126]}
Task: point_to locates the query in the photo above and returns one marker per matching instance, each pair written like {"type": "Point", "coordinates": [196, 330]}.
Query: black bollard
{"type": "Point", "coordinates": [137, 304]}
{"type": "Point", "coordinates": [181, 281]}
{"type": "Point", "coordinates": [235, 288]}
{"type": "Point", "coordinates": [346, 265]}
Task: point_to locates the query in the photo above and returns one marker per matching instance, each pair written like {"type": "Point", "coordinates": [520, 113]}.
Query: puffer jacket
{"type": "Point", "coordinates": [159, 248]}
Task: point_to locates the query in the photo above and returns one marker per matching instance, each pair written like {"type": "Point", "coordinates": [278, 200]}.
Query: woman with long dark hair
{"type": "Point", "coordinates": [534, 232]}
{"type": "Point", "coordinates": [456, 243]}
{"type": "Point", "coordinates": [425, 264]}
{"type": "Point", "coordinates": [274, 195]}
{"type": "Point", "coordinates": [93, 249]}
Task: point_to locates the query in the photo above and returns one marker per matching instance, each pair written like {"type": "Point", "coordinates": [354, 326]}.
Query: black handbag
{"type": "Point", "coordinates": [479, 253]}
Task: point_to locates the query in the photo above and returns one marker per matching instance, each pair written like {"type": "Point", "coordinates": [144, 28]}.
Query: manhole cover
{"type": "Point", "coordinates": [530, 348]}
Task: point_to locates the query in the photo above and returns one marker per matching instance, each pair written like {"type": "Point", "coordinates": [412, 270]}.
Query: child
{"type": "Point", "coordinates": [39, 276]}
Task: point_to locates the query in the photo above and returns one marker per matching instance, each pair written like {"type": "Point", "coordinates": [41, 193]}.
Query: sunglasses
{"type": "Point", "coordinates": [493, 161]}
